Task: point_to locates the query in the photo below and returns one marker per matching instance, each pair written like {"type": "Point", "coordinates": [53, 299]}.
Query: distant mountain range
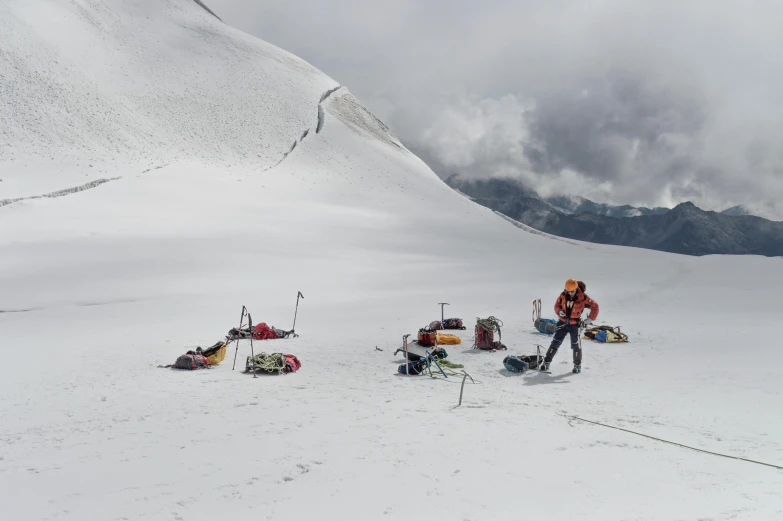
{"type": "Point", "coordinates": [683, 229]}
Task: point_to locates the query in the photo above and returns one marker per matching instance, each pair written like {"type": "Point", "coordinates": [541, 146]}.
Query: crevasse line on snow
{"type": "Point", "coordinates": [321, 114]}
{"type": "Point", "coordinates": [319, 125]}
{"type": "Point", "coordinates": [60, 193]}
{"type": "Point", "coordinates": [207, 9]}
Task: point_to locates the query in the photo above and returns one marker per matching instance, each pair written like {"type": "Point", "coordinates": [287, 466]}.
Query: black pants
{"type": "Point", "coordinates": [560, 334]}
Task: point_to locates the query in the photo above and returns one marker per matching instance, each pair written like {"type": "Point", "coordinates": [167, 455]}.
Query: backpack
{"type": "Point", "coordinates": [413, 368]}
{"type": "Point", "coordinates": [485, 334]}
{"type": "Point", "coordinates": [453, 323]}
{"type": "Point", "coordinates": [262, 331]}
{"type": "Point", "coordinates": [520, 364]}
{"type": "Point", "coordinates": [546, 325]}
{"type": "Point", "coordinates": [606, 334]}
{"type": "Point", "coordinates": [191, 361]}
{"type": "Point", "coordinates": [426, 337]}
{"type": "Point", "coordinates": [438, 354]}
{"type": "Point", "coordinates": [292, 363]}
{"type": "Point", "coordinates": [214, 354]}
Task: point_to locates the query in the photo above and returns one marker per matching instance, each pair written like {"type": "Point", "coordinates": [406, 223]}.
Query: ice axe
{"type": "Point", "coordinates": [298, 294]}
{"type": "Point", "coordinates": [442, 320]}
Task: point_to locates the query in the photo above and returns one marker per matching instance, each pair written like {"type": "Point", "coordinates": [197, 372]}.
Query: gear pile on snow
{"type": "Point", "coordinates": [272, 363]}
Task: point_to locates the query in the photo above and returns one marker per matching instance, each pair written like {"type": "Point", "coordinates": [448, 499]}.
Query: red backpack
{"type": "Point", "coordinates": [263, 332]}
{"type": "Point", "coordinates": [485, 334]}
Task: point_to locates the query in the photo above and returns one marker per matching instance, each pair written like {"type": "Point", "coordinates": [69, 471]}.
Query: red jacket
{"type": "Point", "coordinates": [573, 312]}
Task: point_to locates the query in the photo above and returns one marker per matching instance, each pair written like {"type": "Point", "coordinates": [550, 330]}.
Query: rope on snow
{"type": "Point", "coordinates": [570, 418]}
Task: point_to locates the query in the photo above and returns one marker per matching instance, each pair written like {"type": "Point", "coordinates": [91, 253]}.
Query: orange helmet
{"type": "Point", "coordinates": [571, 285]}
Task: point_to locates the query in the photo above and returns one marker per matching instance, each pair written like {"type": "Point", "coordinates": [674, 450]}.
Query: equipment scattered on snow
{"type": "Point", "coordinates": [606, 334]}
{"type": "Point", "coordinates": [485, 334]}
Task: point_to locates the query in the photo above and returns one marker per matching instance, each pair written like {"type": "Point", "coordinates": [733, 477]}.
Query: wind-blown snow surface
{"type": "Point", "coordinates": [101, 286]}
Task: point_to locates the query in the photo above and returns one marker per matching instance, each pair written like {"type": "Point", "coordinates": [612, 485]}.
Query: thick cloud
{"type": "Point", "coordinates": [651, 102]}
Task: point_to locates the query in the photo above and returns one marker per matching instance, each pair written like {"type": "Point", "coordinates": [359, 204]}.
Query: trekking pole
{"type": "Point", "coordinates": [405, 345]}
{"type": "Point", "coordinates": [298, 294]}
{"type": "Point", "coordinates": [442, 320]}
{"type": "Point", "coordinates": [252, 354]}
{"type": "Point", "coordinates": [239, 330]}
{"type": "Point", "coordinates": [539, 360]}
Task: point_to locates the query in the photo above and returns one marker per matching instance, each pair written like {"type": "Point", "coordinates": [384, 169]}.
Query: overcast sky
{"type": "Point", "coordinates": [646, 102]}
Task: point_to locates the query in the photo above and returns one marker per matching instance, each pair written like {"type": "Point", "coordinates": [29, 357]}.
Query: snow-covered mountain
{"type": "Point", "coordinates": [161, 169]}
{"type": "Point", "coordinates": [577, 205]}
{"type": "Point", "coordinates": [737, 210]}
{"type": "Point", "coordinates": [684, 229]}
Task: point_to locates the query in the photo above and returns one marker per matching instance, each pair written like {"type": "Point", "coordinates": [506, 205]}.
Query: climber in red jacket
{"type": "Point", "coordinates": [569, 306]}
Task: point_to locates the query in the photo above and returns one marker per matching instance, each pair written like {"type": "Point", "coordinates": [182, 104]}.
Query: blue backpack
{"type": "Point", "coordinates": [547, 326]}
{"type": "Point", "coordinates": [520, 364]}
{"type": "Point", "coordinates": [514, 364]}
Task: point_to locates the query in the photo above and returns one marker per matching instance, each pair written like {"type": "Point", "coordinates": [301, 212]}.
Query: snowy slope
{"type": "Point", "coordinates": [102, 285]}
{"type": "Point", "coordinates": [138, 85]}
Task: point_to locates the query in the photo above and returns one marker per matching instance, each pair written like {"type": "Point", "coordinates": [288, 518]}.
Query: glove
{"type": "Point", "coordinates": [588, 321]}
{"type": "Point", "coordinates": [562, 314]}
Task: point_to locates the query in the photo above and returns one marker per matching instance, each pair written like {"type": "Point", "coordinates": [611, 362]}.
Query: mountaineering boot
{"type": "Point", "coordinates": [577, 369]}
{"type": "Point", "coordinates": [545, 366]}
